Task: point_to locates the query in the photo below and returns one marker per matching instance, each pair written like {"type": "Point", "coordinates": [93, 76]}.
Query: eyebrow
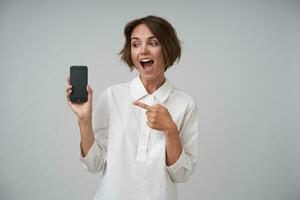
{"type": "Point", "coordinates": [149, 38]}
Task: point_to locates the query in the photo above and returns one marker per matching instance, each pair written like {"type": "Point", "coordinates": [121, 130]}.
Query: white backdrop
{"type": "Point", "coordinates": [240, 62]}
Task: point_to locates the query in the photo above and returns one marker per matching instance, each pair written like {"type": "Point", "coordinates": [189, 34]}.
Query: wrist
{"type": "Point", "coordinates": [171, 129]}
{"type": "Point", "coordinates": [86, 129]}
{"type": "Point", "coordinates": [84, 121]}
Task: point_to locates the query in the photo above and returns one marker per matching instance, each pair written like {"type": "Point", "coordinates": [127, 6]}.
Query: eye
{"type": "Point", "coordinates": [154, 43]}
{"type": "Point", "coordinates": [135, 44]}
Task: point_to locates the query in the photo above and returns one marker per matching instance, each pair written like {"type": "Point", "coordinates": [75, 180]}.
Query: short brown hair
{"type": "Point", "coordinates": [163, 31]}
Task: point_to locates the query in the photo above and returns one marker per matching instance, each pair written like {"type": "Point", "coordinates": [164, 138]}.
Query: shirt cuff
{"type": "Point", "coordinates": [175, 167]}
{"type": "Point", "coordinates": [88, 158]}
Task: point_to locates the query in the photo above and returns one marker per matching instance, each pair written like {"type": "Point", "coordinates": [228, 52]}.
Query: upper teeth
{"type": "Point", "coordinates": [146, 60]}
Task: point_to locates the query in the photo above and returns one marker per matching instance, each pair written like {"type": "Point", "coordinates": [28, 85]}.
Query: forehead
{"type": "Point", "coordinates": [141, 32]}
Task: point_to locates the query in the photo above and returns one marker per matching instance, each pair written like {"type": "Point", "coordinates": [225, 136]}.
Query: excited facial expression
{"type": "Point", "coordinates": [146, 54]}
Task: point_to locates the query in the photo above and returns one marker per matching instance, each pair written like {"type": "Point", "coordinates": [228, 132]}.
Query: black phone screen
{"type": "Point", "coordinates": [79, 81]}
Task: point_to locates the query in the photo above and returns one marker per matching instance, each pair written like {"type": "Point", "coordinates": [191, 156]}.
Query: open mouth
{"type": "Point", "coordinates": [147, 64]}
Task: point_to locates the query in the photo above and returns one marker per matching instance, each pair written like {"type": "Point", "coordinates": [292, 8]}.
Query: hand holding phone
{"type": "Point", "coordinates": [81, 101]}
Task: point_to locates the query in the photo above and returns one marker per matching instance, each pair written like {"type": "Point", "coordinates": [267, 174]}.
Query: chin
{"type": "Point", "coordinates": [154, 75]}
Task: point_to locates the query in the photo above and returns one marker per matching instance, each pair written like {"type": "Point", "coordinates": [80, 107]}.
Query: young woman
{"type": "Point", "coordinates": [142, 135]}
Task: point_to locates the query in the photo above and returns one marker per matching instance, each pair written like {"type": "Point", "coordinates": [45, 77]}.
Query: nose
{"type": "Point", "coordinates": [144, 50]}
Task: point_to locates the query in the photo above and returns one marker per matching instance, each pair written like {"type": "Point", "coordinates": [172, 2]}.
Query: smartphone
{"type": "Point", "coordinates": [79, 81]}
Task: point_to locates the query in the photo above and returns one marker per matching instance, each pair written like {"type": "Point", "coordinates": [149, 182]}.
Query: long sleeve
{"type": "Point", "coordinates": [185, 165]}
{"type": "Point", "coordinates": [95, 160]}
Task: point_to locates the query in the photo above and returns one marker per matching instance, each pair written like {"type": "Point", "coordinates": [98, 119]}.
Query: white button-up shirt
{"type": "Point", "coordinates": [129, 155]}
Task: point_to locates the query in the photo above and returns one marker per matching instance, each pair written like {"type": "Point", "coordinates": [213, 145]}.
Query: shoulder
{"type": "Point", "coordinates": [116, 91]}
{"type": "Point", "coordinates": [183, 97]}
{"type": "Point", "coordinates": [116, 88]}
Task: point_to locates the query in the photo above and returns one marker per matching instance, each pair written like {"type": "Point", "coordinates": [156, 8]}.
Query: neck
{"type": "Point", "coordinates": [152, 85]}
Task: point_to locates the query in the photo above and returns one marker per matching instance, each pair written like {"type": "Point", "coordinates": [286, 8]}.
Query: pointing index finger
{"type": "Point", "coordinates": [142, 105]}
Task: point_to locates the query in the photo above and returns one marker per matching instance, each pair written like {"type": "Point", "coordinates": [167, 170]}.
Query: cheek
{"type": "Point", "coordinates": [133, 56]}
{"type": "Point", "coordinates": [160, 57]}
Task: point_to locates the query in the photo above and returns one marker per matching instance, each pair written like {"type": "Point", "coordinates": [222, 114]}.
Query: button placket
{"type": "Point", "coordinates": [143, 145]}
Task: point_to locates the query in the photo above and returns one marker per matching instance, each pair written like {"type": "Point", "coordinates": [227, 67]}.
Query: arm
{"type": "Point", "coordinates": [87, 137]}
{"type": "Point", "coordinates": [92, 139]}
{"type": "Point", "coordinates": [184, 166]}
{"type": "Point", "coordinates": [83, 112]}
{"type": "Point", "coordinates": [173, 145]}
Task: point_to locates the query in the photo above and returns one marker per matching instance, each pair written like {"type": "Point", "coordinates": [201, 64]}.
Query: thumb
{"type": "Point", "coordinates": [90, 92]}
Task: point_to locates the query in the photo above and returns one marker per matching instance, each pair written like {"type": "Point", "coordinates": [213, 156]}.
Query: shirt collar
{"type": "Point", "coordinates": [138, 90]}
